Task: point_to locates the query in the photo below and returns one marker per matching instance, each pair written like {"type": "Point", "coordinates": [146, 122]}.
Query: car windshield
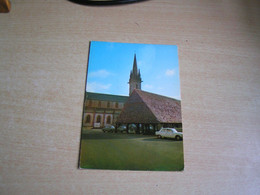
{"type": "Point", "coordinates": [172, 130]}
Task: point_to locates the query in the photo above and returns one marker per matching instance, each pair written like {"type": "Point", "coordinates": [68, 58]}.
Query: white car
{"type": "Point", "coordinates": [169, 133]}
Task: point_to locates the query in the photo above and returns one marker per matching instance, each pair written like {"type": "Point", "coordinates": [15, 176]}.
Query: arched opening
{"type": "Point", "coordinates": [88, 119]}
{"type": "Point", "coordinates": [108, 120]}
{"type": "Point", "coordinates": [98, 119]}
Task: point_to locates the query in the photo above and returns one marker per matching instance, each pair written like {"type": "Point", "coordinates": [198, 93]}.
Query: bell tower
{"type": "Point", "coordinates": [135, 78]}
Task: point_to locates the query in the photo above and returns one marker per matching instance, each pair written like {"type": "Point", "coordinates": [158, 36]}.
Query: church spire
{"type": "Point", "coordinates": [135, 77]}
{"type": "Point", "coordinates": [135, 66]}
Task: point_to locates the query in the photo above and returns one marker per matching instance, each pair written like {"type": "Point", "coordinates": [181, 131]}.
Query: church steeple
{"type": "Point", "coordinates": [135, 77]}
{"type": "Point", "coordinates": [135, 66]}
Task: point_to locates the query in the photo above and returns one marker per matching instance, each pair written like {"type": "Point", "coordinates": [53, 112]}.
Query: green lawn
{"type": "Point", "coordinates": [129, 152]}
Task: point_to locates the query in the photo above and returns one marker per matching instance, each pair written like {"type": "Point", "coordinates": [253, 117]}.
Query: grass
{"type": "Point", "coordinates": [129, 152]}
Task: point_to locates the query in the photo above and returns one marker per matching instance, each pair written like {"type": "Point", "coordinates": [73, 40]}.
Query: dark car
{"type": "Point", "coordinates": [121, 129]}
{"type": "Point", "coordinates": [132, 127]}
{"type": "Point", "coordinates": [108, 128]}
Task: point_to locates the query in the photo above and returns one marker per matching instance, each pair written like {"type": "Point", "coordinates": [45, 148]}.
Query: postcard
{"type": "Point", "coordinates": [132, 108]}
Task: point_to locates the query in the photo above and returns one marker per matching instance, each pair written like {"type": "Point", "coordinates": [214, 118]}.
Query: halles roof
{"type": "Point", "coordinates": [145, 107]}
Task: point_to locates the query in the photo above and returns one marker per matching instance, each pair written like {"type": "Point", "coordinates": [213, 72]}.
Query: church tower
{"type": "Point", "coordinates": [135, 78]}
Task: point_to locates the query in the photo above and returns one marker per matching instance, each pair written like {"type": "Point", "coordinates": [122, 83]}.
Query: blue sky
{"type": "Point", "coordinates": [110, 64]}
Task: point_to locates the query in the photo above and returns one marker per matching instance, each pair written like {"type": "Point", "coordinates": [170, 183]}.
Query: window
{"type": "Point", "coordinates": [90, 103]}
{"type": "Point", "coordinates": [108, 104]}
{"type": "Point", "coordinates": [116, 104]}
{"type": "Point", "coordinates": [88, 119]}
{"type": "Point", "coordinates": [99, 103]}
{"type": "Point", "coordinates": [109, 120]}
{"type": "Point", "coordinates": [98, 119]}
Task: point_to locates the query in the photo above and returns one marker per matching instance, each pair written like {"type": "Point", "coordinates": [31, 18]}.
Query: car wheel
{"type": "Point", "coordinates": [178, 138]}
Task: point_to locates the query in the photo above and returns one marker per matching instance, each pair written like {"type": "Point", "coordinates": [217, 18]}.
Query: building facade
{"type": "Point", "coordinates": [102, 109]}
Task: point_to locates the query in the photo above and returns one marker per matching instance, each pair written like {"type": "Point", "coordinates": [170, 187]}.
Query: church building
{"type": "Point", "coordinates": [147, 111]}
{"type": "Point", "coordinates": [103, 109]}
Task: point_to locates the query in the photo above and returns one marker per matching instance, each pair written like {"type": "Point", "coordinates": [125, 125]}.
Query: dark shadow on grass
{"type": "Point", "coordinates": [102, 135]}
{"type": "Point", "coordinates": [159, 140]}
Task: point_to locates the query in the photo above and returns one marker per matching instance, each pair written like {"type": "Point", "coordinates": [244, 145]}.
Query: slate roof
{"type": "Point", "coordinates": [145, 107]}
{"type": "Point", "coordinates": [105, 97]}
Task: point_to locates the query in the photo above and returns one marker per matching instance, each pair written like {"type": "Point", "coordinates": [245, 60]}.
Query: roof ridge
{"type": "Point", "coordinates": [139, 90]}
{"type": "Point", "coordinates": [142, 107]}
{"type": "Point", "coordinates": [145, 103]}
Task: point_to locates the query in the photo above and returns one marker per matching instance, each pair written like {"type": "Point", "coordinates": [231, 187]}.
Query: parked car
{"type": "Point", "coordinates": [121, 129]}
{"type": "Point", "coordinates": [169, 133]}
{"type": "Point", "coordinates": [108, 128]}
{"type": "Point", "coordinates": [132, 127]}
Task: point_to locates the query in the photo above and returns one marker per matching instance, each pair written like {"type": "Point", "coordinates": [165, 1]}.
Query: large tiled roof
{"type": "Point", "coordinates": [145, 107]}
{"type": "Point", "coordinates": [106, 97]}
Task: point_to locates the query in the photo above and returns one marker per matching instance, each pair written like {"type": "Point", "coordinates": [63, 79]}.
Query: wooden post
{"type": "Point", "coordinates": [145, 129]}
{"type": "Point", "coordinates": [116, 127]}
{"type": "Point", "coordinates": [154, 128]}
{"type": "Point", "coordinates": [138, 128]}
